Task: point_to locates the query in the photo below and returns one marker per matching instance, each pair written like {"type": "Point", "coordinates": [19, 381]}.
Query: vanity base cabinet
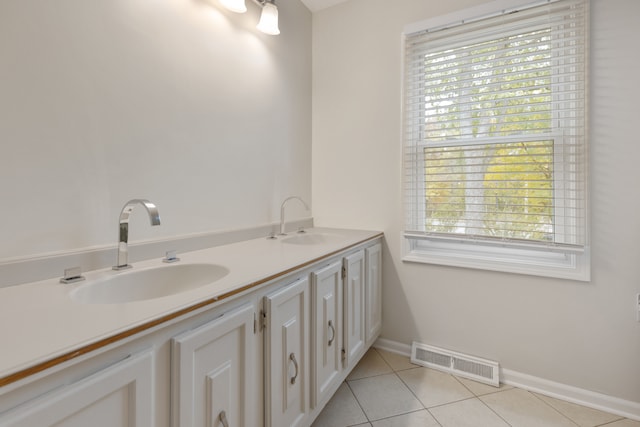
{"type": "Point", "coordinates": [213, 372]}
{"type": "Point", "coordinates": [120, 395]}
{"type": "Point", "coordinates": [287, 355]}
{"type": "Point", "coordinates": [269, 357]}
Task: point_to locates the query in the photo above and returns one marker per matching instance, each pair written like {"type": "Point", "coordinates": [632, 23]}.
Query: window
{"type": "Point", "coordinates": [495, 150]}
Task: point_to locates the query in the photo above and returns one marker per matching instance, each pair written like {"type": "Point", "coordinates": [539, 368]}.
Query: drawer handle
{"type": "Point", "coordinates": [292, 357]}
{"type": "Point", "coordinates": [223, 419]}
{"type": "Point", "coordinates": [333, 333]}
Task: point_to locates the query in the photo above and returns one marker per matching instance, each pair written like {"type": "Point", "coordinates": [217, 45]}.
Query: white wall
{"type": "Point", "coordinates": [580, 334]}
{"type": "Point", "coordinates": [178, 101]}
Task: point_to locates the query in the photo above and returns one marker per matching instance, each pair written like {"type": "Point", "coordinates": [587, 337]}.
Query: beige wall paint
{"type": "Point", "coordinates": [180, 102]}
{"type": "Point", "coordinates": [579, 334]}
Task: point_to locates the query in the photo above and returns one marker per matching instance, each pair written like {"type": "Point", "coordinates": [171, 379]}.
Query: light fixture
{"type": "Point", "coordinates": [268, 20]}
{"type": "Point", "coordinates": [237, 6]}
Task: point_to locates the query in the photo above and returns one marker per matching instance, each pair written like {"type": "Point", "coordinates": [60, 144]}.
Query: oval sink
{"type": "Point", "coordinates": [311, 239]}
{"type": "Point", "coordinates": [149, 283]}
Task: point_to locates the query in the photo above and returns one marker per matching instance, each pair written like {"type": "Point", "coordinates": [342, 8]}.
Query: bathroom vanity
{"type": "Point", "coordinates": [267, 343]}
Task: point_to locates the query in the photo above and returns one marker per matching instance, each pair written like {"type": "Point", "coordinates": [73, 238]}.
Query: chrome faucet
{"type": "Point", "coordinates": [123, 249]}
{"type": "Point", "coordinates": [282, 233]}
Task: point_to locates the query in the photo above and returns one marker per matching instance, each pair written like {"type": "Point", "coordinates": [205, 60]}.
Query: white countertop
{"type": "Point", "coordinates": [40, 322]}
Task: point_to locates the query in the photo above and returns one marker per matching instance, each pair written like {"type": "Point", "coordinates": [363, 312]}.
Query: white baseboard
{"type": "Point", "coordinates": [393, 347]}
{"type": "Point", "coordinates": [590, 399]}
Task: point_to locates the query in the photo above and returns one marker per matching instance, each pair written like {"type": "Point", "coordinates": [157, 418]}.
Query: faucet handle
{"type": "Point", "coordinates": [72, 275]}
{"type": "Point", "coordinates": [170, 257]}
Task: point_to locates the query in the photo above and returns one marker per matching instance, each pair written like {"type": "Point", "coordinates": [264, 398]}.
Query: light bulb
{"type": "Point", "coordinates": [269, 19]}
{"type": "Point", "coordinates": [235, 5]}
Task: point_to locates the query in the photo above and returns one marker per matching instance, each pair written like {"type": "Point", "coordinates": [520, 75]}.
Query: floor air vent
{"type": "Point", "coordinates": [485, 371]}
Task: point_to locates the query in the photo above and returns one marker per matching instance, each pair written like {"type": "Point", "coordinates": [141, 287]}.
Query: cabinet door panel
{"type": "Point", "coordinates": [354, 307]}
{"type": "Point", "coordinates": [373, 256]}
{"type": "Point", "coordinates": [120, 395]}
{"type": "Point", "coordinates": [326, 353]}
{"type": "Point", "coordinates": [212, 371]}
{"type": "Point", "coordinates": [287, 355]}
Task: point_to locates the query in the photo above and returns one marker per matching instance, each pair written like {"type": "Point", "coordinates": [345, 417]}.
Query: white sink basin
{"type": "Point", "coordinates": [144, 284]}
{"type": "Point", "coordinates": [310, 238]}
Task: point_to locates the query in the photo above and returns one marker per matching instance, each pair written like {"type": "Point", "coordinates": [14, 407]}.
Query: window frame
{"type": "Point", "coordinates": [559, 261]}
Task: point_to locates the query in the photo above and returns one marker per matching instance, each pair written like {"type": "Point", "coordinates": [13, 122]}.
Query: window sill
{"type": "Point", "coordinates": [572, 266]}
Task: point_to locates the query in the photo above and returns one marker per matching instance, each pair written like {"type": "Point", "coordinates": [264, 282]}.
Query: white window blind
{"type": "Point", "coordinates": [495, 150]}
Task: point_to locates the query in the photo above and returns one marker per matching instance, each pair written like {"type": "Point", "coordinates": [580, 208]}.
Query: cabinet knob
{"type": "Point", "coordinates": [292, 357]}
{"type": "Point", "coordinates": [333, 333]}
{"type": "Point", "coordinates": [223, 419]}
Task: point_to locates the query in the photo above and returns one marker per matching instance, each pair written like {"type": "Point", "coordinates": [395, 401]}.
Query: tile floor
{"type": "Point", "coordinates": [386, 390]}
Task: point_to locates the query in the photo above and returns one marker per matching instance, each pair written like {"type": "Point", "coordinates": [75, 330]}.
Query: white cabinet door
{"type": "Point", "coordinates": [373, 256]}
{"type": "Point", "coordinates": [287, 355]}
{"type": "Point", "coordinates": [120, 395]}
{"type": "Point", "coordinates": [326, 315]}
{"type": "Point", "coordinates": [213, 373]}
{"type": "Point", "coordinates": [354, 307]}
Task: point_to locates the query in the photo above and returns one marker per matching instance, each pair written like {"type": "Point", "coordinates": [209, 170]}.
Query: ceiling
{"type": "Point", "coordinates": [316, 5]}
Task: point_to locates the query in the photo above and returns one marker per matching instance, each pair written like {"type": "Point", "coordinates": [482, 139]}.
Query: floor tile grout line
{"type": "Point", "coordinates": [393, 371]}
{"type": "Point", "coordinates": [497, 389]}
{"type": "Point", "coordinates": [417, 398]}
{"type": "Point", "coordinates": [433, 416]}
{"type": "Point", "coordinates": [477, 396]}
{"type": "Point", "coordinates": [392, 368]}
{"type": "Point", "coordinates": [372, 376]}
{"type": "Point", "coordinates": [453, 402]}
{"type": "Point", "coordinates": [494, 411]}
{"type": "Point", "coordinates": [464, 400]}
{"type": "Point", "coordinates": [611, 422]}
{"type": "Point", "coordinates": [536, 395]}
{"type": "Point", "coordinates": [358, 401]}
{"type": "Point", "coordinates": [410, 390]}
{"type": "Point", "coordinates": [552, 407]}
{"type": "Point", "coordinates": [424, 408]}
{"type": "Point", "coordinates": [407, 413]}
{"type": "Point", "coordinates": [412, 393]}
{"type": "Point", "coordinates": [383, 359]}
{"type": "Point", "coordinates": [473, 396]}
{"type": "Point", "coordinates": [493, 392]}
{"type": "Point", "coordinates": [375, 375]}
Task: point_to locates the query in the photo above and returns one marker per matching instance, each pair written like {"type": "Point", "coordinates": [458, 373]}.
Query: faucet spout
{"type": "Point", "coordinates": [123, 240]}
{"type": "Point", "coordinates": [282, 233]}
